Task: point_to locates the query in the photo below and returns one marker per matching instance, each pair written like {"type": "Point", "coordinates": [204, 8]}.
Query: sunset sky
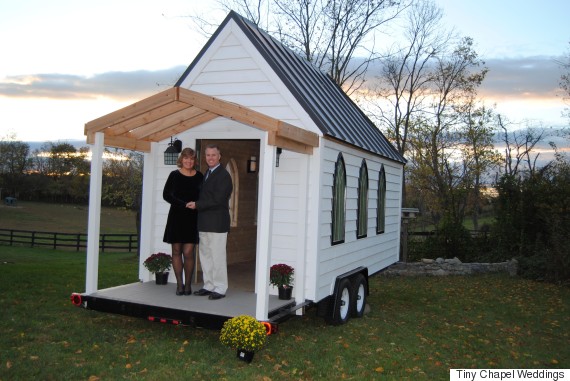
{"type": "Point", "coordinates": [66, 62]}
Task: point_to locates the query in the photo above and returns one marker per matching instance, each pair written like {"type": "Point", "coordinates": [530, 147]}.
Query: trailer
{"type": "Point", "coordinates": [323, 194]}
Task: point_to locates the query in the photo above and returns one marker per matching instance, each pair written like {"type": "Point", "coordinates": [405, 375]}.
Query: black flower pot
{"type": "Point", "coordinates": [244, 355]}
{"type": "Point", "coordinates": [161, 278]}
{"type": "Point", "coordinates": [285, 293]}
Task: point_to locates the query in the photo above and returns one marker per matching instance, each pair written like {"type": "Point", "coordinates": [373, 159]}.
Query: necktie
{"type": "Point", "coordinates": [208, 174]}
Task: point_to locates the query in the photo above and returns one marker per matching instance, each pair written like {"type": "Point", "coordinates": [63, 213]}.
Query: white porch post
{"type": "Point", "coordinates": [303, 217]}
{"type": "Point", "coordinates": [264, 230]}
{"type": "Point", "coordinates": [147, 210]}
{"type": "Point", "coordinates": [94, 220]}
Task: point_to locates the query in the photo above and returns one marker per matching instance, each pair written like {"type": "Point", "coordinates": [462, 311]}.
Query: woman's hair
{"type": "Point", "coordinates": [186, 152]}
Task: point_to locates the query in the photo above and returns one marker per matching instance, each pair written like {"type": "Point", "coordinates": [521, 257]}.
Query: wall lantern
{"type": "Point", "coordinates": [172, 151]}
{"type": "Point", "coordinates": [279, 150]}
{"type": "Point", "coordinates": [252, 165]}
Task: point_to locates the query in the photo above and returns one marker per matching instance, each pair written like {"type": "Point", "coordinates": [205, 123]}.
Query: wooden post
{"type": "Point", "coordinates": [407, 215]}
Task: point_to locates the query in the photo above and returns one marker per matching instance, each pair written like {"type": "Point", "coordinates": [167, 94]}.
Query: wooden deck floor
{"type": "Point", "coordinates": [237, 302]}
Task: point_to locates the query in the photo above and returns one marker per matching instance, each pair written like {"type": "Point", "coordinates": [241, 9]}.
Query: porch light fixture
{"type": "Point", "coordinates": [279, 150]}
{"type": "Point", "coordinates": [172, 151]}
{"type": "Point", "coordinates": [252, 165]}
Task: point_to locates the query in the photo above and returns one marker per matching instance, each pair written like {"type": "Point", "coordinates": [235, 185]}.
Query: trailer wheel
{"type": "Point", "coordinates": [341, 307]}
{"type": "Point", "coordinates": [358, 296]}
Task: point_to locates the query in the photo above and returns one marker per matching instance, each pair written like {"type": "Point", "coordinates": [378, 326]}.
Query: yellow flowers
{"type": "Point", "coordinates": [243, 332]}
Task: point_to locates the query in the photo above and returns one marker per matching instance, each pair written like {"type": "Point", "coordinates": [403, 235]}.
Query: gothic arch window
{"type": "Point", "coordinates": [362, 214]}
{"type": "Point", "coordinates": [381, 206]}
{"type": "Point", "coordinates": [232, 169]}
{"type": "Point", "coordinates": [338, 202]}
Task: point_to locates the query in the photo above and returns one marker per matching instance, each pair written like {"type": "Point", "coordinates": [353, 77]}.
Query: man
{"type": "Point", "coordinates": [214, 225]}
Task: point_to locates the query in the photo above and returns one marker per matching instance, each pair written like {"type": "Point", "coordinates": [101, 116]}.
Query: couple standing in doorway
{"type": "Point", "coordinates": [199, 212]}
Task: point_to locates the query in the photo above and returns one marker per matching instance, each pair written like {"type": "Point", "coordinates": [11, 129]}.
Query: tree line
{"type": "Point", "coordinates": [60, 172]}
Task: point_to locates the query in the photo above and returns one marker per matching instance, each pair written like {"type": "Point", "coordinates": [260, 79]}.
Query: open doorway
{"type": "Point", "coordinates": [242, 239]}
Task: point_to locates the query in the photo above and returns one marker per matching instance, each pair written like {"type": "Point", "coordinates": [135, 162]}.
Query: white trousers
{"type": "Point", "coordinates": [213, 261]}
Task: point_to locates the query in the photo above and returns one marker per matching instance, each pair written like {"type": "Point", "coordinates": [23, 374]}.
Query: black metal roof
{"type": "Point", "coordinates": [335, 114]}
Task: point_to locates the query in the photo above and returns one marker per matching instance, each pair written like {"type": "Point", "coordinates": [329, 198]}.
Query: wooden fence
{"type": "Point", "coordinates": [77, 241]}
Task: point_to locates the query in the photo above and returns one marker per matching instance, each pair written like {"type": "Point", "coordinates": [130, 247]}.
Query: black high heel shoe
{"type": "Point", "coordinates": [180, 291]}
{"type": "Point", "coordinates": [189, 291]}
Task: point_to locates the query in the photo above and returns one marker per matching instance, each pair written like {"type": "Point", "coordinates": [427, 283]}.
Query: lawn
{"type": "Point", "coordinates": [64, 218]}
{"type": "Point", "coordinates": [418, 328]}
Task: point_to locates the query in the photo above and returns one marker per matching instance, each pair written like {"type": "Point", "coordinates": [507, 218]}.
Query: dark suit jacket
{"type": "Point", "coordinates": [213, 204]}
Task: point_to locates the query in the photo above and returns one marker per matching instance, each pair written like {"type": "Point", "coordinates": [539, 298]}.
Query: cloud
{"type": "Point", "coordinates": [116, 85]}
{"type": "Point", "coordinates": [529, 77]}
{"type": "Point", "coordinates": [523, 78]}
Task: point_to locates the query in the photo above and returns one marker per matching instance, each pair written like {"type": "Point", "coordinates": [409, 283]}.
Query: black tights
{"type": "Point", "coordinates": [178, 251]}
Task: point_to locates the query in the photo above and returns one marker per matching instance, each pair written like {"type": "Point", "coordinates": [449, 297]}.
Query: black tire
{"type": "Point", "coordinates": [340, 313]}
{"type": "Point", "coordinates": [358, 298]}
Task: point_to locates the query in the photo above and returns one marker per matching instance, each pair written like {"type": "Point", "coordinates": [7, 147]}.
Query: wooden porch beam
{"type": "Point", "coordinates": [288, 131]}
{"type": "Point", "coordinates": [175, 118]}
{"type": "Point", "coordinates": [146, 119]}
{"type": "Point", "coordinates": [229, 110]}
{"type": "Point", "coordinates": [122, 142]}
{"type": "Point", "coordinates": [290, 145]}
{"type": "Point", "coordinates": [131, 111]}
{"type": "Point", "coordinates": [181, 127]}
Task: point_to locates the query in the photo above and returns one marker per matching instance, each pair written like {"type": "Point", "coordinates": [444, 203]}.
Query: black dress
{"type": "Point", "coordinates": [181, 225]}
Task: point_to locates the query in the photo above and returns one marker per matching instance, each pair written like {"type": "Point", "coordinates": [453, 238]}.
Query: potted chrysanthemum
{"type": "Point", "coordinates": [245, 334]}
{"type": "Point", "coordinates": [159, 264]}
{"type": "Point", "coordinates": [281, 276]}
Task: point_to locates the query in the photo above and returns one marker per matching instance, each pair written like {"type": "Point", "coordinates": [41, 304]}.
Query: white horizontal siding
{"type": "Point", "coordinates": [247, 88]}
{"type": "Point", "coordinates": [286, 210]}
{"type": "Point", "coordinates": [228, 77]}
{"type": "Point", "coordinates": [375, 251]}
{"type": "Point", "coordinates": [293, 226]}
{"type": "Point", "coordinates": [232, 69]}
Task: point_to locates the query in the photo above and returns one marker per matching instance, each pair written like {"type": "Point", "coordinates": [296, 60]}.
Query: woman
{"type": "Point", "coordinates": [181, 188]}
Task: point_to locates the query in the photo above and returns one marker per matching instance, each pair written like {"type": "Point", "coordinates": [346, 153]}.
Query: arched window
{"type": "Point", "coordinates": [232, 169]}
{"type": "Point", "coordinates": [338, 202]}
{"type": "Point", "coordinates": [362, 220]}
{"type": "Point", "coordinates": [381, 207]}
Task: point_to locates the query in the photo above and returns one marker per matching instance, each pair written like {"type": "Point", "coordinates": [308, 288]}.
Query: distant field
{"type": "Point", "coordinates": [64, 218]}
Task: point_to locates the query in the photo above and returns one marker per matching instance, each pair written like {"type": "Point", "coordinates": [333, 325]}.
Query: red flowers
{"type": "Point", "coordinates": [158, 263]}
{"type": "Point", "coordinates": [281, 275]}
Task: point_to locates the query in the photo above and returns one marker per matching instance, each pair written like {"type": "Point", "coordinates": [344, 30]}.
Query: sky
{"type": "Point", "coordinates": [67, 62]}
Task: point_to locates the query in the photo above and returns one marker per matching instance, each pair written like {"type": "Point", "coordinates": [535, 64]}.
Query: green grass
{"type": "Point", "coordinates": [417, 328]}
{"type": "Point", "coordinates": [63, 218]}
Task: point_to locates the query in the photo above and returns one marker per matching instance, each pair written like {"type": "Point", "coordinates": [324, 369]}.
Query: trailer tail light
{"type": "Point", "coordinates": [76, 299]}
{"type": "Point", "coordinates": [270, 329]}
{"type": "Point", "coordinates": [157, 319]}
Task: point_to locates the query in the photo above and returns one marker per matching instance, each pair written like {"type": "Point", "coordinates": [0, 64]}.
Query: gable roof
{"type": "Point", "coordinates": [175, 110]}
{"type": "Point", "coordinates": [334, 113]}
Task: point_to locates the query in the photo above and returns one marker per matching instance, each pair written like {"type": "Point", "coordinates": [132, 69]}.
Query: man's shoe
{"type": "Point", "coordinates": [215, 296]}
{"type": "Point", "coordinates": [202, 292]}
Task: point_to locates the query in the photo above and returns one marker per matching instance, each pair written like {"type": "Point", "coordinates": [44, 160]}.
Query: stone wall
{"type": "Point", "coordinates": [443, 267]}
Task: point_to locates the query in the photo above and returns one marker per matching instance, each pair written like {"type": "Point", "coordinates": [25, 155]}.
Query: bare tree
{"type": "Point", "coordinates": [519, 147]}
{"type": "Point", "coordinates": [436, 141]}
{"type": "Point", "coordinates": [329, 33]}
{"type": "Point", "coordinates": [407, 72]}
